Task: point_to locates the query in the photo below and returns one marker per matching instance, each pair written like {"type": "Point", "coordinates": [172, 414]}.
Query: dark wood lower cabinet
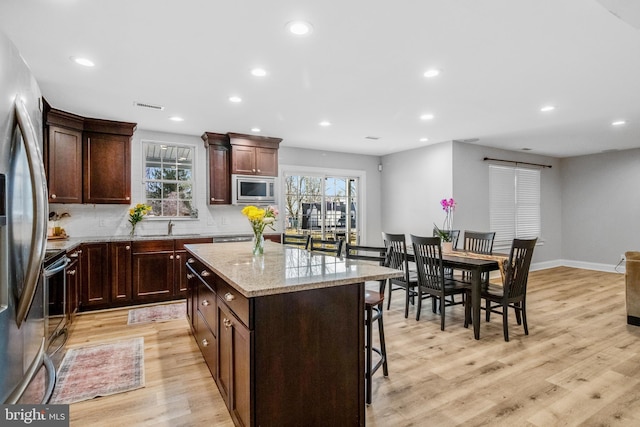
{"type": "Point", "coordinates": [287, 359]}
{"type": "Point", "coordinates": [153, 270]}
{"type": "Point", "coordinates": [96, 287]}
{"type": "Point", "coordinates": [126, 273]}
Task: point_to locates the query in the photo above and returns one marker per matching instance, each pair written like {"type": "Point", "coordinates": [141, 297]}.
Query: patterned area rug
{"type": "Point", "coordinates": [100, 370]}
{"type": "Point", "coordinates": [157, 313]}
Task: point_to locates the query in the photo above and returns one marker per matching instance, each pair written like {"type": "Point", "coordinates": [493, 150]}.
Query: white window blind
{"type": "Point", "coordinates": [514, 203]}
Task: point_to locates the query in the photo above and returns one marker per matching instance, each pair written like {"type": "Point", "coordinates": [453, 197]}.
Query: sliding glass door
{"type": "Point", "coordinates": [321, 205]}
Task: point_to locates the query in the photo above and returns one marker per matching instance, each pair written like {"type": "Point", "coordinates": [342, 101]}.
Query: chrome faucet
{"type": "Point", "coordinates": [170, 227]}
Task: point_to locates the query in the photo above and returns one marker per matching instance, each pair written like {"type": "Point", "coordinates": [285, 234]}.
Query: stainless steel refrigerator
{"type": "Point", "coordinates": [23, 208]}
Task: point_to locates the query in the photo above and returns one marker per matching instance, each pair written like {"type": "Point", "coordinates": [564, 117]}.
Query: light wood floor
{"type": "Point", "coordinates": [580, 365]}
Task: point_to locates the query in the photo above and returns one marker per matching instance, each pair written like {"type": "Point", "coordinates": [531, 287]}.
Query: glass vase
{"type": "Point", "coordinates": [133, 230]}
{"type": "Point", "coordinates": [258, 244]}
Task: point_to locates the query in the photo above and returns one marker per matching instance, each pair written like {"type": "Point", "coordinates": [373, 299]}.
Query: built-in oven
{"type": "Point", "coordinates": [54, 280]}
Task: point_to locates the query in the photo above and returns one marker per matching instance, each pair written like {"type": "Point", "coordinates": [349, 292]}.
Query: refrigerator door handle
{"type": "Point", "coordinates": [40, 207]}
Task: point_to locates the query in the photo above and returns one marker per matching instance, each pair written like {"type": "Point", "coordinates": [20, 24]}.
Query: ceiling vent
{"type": "Point", "coordinates": [147, 105]}
{"type": "Point", "coordinates": [374, 138]}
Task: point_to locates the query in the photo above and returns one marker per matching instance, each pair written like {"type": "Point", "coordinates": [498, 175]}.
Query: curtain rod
{"type": "Point", "coordinates": [518, 163]}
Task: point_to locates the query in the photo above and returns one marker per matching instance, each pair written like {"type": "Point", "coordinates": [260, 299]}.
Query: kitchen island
{"type": "Point", "coordinates": [282, 333]}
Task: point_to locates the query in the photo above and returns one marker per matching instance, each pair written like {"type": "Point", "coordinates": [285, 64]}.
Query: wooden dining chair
{"type": "Point", "coordinates": [299, 240]}
{"type": "Point", "coordinates": [373, 302]}
{"type": "Point", "coordinates": [396, 247]}
{"type": "Point", "coordinates": [513, 292]}
{"type": "Point", "coordinates": [479, 242]}
{"type": "Point", "coordinates": [328, 247]}
{"type": "Point", "coordinates": [431, 278]}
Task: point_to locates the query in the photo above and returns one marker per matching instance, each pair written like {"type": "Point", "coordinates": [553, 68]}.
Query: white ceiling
{"type": "Point", "coordinates": [361, 68]}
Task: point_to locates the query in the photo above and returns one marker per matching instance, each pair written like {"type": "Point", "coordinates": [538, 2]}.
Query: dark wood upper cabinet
{"type": "Point", "coordinates": [87, 160]}
{"type": "Point", "coordinates": [254, 155]}
{"type": "Point", "coordinates": [218, 175]}
{"type": "Point", "coordinates": [107, 161]}
{"type": "Point", "coordinates": [63, 156]}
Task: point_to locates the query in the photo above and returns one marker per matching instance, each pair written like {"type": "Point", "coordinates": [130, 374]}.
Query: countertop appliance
{"type": "Point", "coordinates": [253, 190]}
{"type": "Point", "coordinates": [22, 230]}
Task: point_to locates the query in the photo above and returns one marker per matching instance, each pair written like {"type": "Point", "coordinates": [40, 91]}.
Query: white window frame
{"type": "Point", "coordinates": [194, 210]}
{"type": "Point", "coordinates": [514, 204]}
{"type": "Point", "coordinates": [361, 175]}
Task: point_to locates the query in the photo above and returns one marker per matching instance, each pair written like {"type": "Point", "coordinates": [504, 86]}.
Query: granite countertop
{"type": "Point", "coordinates": [71, 243]}
{"type": "Point", "coordinates": [283, 269]}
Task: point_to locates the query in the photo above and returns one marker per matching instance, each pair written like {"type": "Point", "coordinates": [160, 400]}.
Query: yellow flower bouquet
{"type": "Point", "coordinates": [137, 214]}
{"type": "Point", "coordinates": [259, 219]}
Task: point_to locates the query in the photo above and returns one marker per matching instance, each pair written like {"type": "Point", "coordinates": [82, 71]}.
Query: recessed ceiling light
{"type": "Point", "coordinates": [82, 61]}
{"type": "Point", "coordinates": [259, 72]}
{"type": "Point", "coordinates": [424, 139]}
{"type": "Point", "coordinates": [618, 123]}
{"type": "Point", "coordinates": [431, 73]}
{"type": "Point", "coordinates": [299, 28]}
{"type": "Point", "coordinates": [255, 129]}
{"type": "Point", "coordinates": [547, 108]}
{"type": "Point", "coordinates": [526, 149]}
{"type": "Point", "coordinates": [235, 99]}
{"type": "Point", "coordinates": [325, 123]}
{"type": "Point", "coordinates": [176, 119]}
{"type": "Point", "coordinates": [426, 117]}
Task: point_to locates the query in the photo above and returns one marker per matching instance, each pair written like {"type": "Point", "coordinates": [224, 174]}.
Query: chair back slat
{"type": "Point", "coordinates": [517, 269]}
{"type": "Point", "coordinates": [396, 247]}
{"type": "Point", "coordinates": [329, 247]}
{"type": "Point", "coordinates": [428, 258]}
{"type": "Point", "coordinates": [479, 242]}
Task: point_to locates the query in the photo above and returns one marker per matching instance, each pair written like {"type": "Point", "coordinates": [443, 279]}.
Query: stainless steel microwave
{"type": "Point", "coordinates": [253, 190]}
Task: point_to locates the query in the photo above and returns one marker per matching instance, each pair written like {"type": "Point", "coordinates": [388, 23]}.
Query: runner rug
{"type": "Point", "coordinates": [157, 313]}
{"type": "Point", "coordinates": [100, 370]}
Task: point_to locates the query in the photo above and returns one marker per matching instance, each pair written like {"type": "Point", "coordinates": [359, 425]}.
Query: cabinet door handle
{"type": "Point", "coordinates": [127, 247]}
{"type": "Point", "coordinates": [170, 256]}
{"type": "Point", "coordinates": [229, 297]}
{"type": "Point", "coordinates": [189, 276]}
{"type": "Point", "coordinates": [227, 323]}
{"type": "Point", "coordinates": [205, 273]}
{"type": "Point", "coordinates": [71, 272]}
{"type": "Point", "coordinates": [191, 260]}
{"type": "Point", "coordinates": [205, 303]}
{"type": "Point", "coordinates": [253, 170]}
{"type": "Point", "coordinates": [205, 343]}
{"type": "Point", "coordinates": [127, 198]}
{"type": "Point", "coordinates": [74, 255]}
{"type": "Point", "coordinates": [177, 256]}
{"type": "Point", "coordinates": [258, 170]}
{"type": "Point", "coordinates": [79, 251]}
{"type": "Point", "coordinates": [53, 196]}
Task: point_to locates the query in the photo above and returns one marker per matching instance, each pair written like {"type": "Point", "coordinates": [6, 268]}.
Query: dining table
{"type": "Point", "coordinates": [475, 264]}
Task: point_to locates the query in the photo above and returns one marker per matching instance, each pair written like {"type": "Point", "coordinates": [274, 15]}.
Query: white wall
{"type": "Point", "coordinates": [601, 215]}
{"type": "Point", "coordinates": [413, 183]}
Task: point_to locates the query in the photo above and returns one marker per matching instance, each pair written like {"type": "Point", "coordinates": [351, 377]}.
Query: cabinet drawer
{"type": "Point", "coordinates": [234, 300]}
{"type": "Point", "coordinates": [207, 343]}
{"type": "Point", "coordinates": [203, 272]}
{"type": "Point", "coordinates": [207, 306]}
{"type": "Point", "coordinates": [152, 246]}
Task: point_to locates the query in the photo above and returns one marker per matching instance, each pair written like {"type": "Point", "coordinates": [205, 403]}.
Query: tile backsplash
{"type": "Point", "coordinates": [113, 220]}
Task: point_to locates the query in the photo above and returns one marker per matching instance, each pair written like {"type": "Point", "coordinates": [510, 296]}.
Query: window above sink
{"type": "Point", "coordinates": [168, 179]}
